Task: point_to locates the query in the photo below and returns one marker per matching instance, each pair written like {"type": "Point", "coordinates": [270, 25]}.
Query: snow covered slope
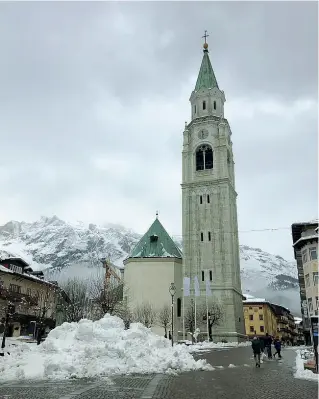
{"type": "Point", "coordinates": [58, 246]}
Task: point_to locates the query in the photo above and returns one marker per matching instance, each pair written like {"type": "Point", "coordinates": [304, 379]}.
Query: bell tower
{"type": "Point", "coordinates": [209, 214]}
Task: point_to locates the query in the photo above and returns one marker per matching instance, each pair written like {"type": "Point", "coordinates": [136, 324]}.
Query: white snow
{"type": "Point", "coordinates": [231, 366]}
{"type": "Point", "coordinates": [253, 300]}
{"type": "Point", "coordinates": [97, 349]}
{"type": "Point", "coordinates": [205, 346]}
{"type": "Point", "coordinates": [301, 372]}
{"type": "Point", "coordinates": [306, 238]}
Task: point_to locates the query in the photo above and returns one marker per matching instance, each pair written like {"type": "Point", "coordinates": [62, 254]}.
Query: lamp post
{"type": "Point", "coordinates": [172, 291]}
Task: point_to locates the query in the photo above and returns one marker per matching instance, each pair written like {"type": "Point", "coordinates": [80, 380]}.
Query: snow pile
{"type": "Point", "coordinates": [206, 346]}
{"type": "Point", "coordinates": [301, 372]}
{"type": "Point", "coordinates": [100, 348]}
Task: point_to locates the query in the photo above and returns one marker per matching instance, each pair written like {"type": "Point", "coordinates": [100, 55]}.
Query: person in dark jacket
{"type": "Point", "coordinates": [277, 345]}
{"type": "Point", "coordinates": [268, 342]}
{"type": "Point", "coordinates": [262, 343]}
{"type": "Point", "coordinates": [256, 347]}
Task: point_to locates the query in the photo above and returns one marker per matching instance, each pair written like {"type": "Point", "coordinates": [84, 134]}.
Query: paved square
{"type": "Point", "coordinates": [274, 380]}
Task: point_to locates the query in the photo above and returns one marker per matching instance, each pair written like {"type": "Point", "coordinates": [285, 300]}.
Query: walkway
{"type": "Point", "coordinates": [242, 380]}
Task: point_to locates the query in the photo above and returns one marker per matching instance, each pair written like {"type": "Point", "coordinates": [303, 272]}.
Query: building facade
{"type": "Point", "coordinates": [260, 318]}
{"type": "Point", "coordinates": [209, 210]}
{"type": "Point", "coordinates": [263, 317]}
{"type": "Point", "coordinates": [305, 244]}
{"type": "Point", "coordinates": [299, 339]}
{"type": "Point", "coordinates": [33, 299]}
{"type": "Point", "coordinates": [152, 266]}
{"type": "Point", "coordinates": [285, 324]}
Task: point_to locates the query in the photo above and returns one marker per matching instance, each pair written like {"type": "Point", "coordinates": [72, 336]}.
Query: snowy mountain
{"type": "Point", "coordinates": [63, 249]}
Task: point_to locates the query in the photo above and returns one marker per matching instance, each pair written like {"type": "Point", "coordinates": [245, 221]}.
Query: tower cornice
{"type": "Point", "coordinates": [207, 119]}
{"type": "Point", "coordinates": [209, 183]}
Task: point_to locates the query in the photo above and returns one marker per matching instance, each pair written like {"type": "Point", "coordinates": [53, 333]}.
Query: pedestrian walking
{"type": "Point", "coordinates": [268, 342]}
{"type": "Point", "coordinates": [169, 336]}
{"type": "Point", "coordinates": [256, 347]}
{"type": "Point", "coordinates": [277, 345]}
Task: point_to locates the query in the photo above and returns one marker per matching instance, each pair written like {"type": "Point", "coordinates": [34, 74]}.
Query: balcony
{"type": "Point", "coordinates": [282, 320]}
{"type": "Point", "coordinates": [17, 297]}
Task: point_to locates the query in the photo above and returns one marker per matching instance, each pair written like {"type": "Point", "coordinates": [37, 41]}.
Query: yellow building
{"type": "Point", "coordinates": [285, 324]}
{"type": "Point", "coordinates": [260, 318]}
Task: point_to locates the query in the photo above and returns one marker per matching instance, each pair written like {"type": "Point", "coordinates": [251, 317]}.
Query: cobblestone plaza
{"type": "Point", "coordinates": [242, 380]}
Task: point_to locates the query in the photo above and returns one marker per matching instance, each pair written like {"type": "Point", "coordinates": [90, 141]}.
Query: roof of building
{"type": "Point", "coordinates": [256, 301]}
{"type": "Point", "coordinates": [206, 77]}
{"type": "Point", "coordinates": [299, 227]}
{"type": "Point", "coordinates": [306, 238]}
{"type": "Point", "coordinates": [156, 243]}
{"type": "Point", "coordinates": [20, 261]}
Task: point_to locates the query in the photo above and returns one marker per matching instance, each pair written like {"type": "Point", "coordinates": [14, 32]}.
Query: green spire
{"type": "Point", "coordinates": [206, 77]}
{"type": "Point", "coordinates": [156, 243]}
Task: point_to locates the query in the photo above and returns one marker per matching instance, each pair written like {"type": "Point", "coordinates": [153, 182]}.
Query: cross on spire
{"type": "Point", "coordinates": [205, 36]}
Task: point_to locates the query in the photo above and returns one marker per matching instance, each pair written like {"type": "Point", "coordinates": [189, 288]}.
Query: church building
{"type": "Point", "coordinates": [209, 223]}
{"type": "Point", "coordinates": [155, 263]}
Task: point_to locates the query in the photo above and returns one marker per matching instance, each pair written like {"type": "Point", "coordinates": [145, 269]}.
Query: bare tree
{"type": "Point", "coordinates": [215, 315]}
{"type": "Point", "coordinates": [164, 317]}
{"type": "Point", "coordinates": [189, 318]}
{"type": "Point", "coordinates": [77, 291]}
{"type": "Point", "coordinates": [106, 295]}
{"type": "Point", "coordinates": [45, 302]}
{"type": "Point", "coordinates": [145, 314]}
{"type": "Point", "coordinates": [124, 312]}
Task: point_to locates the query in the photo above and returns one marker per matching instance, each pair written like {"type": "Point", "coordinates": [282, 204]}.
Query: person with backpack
{"type": "Point", "coordinates": [256, 347]}
{"type": "Point", "coordinates": [277, 345]}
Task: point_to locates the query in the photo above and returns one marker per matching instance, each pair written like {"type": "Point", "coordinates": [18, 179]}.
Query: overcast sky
{"type": "Point", "coordinates": [94, 97]}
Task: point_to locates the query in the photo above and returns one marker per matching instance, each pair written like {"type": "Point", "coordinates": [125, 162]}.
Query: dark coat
{"type": "Point", "coordinates": [277, 344]}
{"type": "Point", "coordinates": [256, 345]}
{"type": "Point", "coordinates": [268, 341]}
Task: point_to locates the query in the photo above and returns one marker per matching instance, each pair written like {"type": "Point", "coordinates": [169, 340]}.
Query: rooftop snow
{"type": "Point", "coordinates": [304, 238]}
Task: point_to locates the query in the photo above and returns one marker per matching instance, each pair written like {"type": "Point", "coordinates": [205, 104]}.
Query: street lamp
{"type": "Point", "coordinates": [172, 291]}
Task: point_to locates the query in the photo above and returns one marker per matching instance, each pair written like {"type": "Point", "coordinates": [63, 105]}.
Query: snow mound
{"type": "Point", "coordinates": [301, 373]}
{"type": "Point", "coordinates": [97, 349]}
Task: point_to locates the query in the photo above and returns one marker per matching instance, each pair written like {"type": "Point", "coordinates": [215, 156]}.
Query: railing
{"type": "Point", "coordinates": [18, 297]}
{"type": "Point", "coordinates": [283, 320]}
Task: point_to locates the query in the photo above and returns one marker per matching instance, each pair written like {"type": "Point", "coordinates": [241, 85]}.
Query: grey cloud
{"type": "Point", "coordinates": [84, 83]}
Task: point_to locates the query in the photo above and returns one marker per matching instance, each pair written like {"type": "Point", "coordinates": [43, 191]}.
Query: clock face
{"type": "Point", "coordinates": [203, 134]}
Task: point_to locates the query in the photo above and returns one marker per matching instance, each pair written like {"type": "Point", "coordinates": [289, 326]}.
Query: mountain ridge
{"type": "Point", "coordinates": [59, 247]}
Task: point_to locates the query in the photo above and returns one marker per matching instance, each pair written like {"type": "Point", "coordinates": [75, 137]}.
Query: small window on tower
{"type": "Point", "coordinates": [204, 104]}
{"type": "Point", "coordinates": [194, 109]}
{"type": "Point", "coordinates": [210, 275]}
{"type": "Point", "coordinates": [208, 199]}
{"type": "Point", "coordinates": [214, 104]}
{"type": "Point", "coordinates": [200, 199]}
{"type": "Point", "coordinates": [153, 238]}
{"type": "Point", "coordinates": [179, 307]}
{"type": "Point", "coordinates": [209, 236]}
{"type": "Point", "coordinates": [203, 275]}
{"type": "Point", "coordinates": [202, 236]}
